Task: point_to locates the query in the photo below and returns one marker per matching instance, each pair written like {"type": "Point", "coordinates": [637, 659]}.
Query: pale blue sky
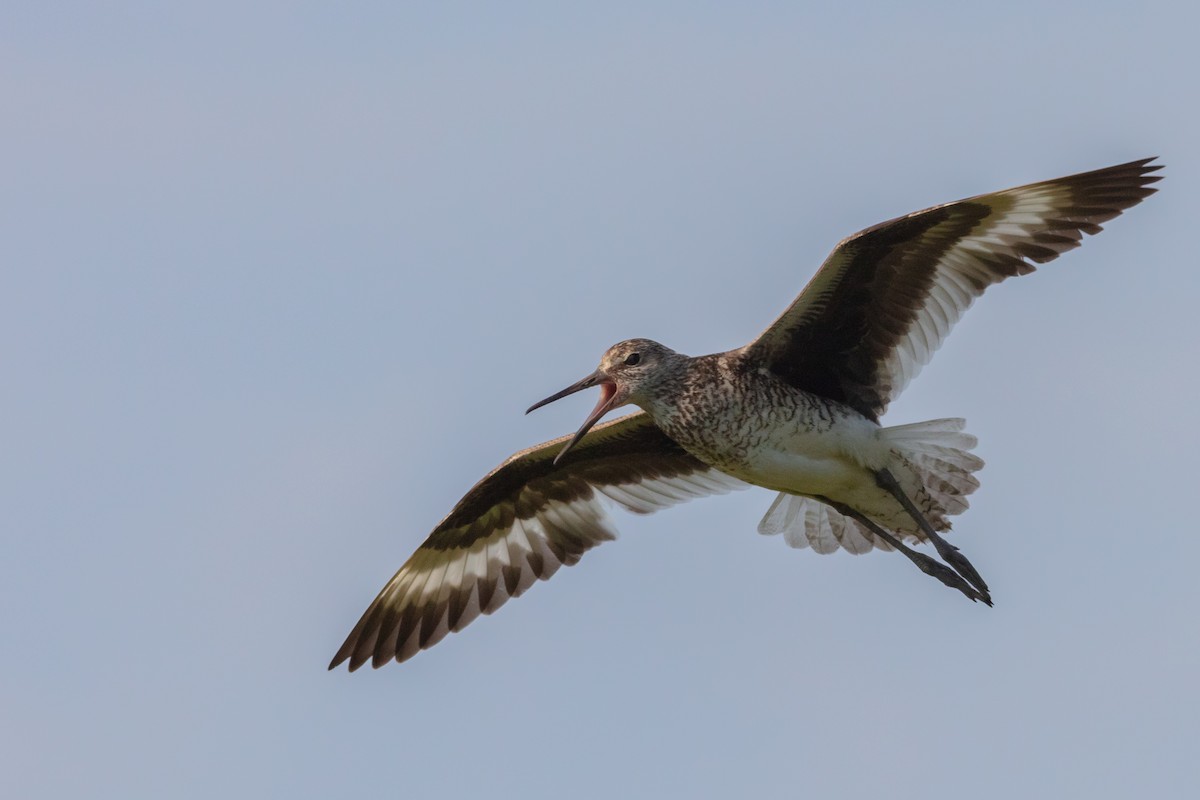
{"type": "Point", "coordinates": [280, 278]}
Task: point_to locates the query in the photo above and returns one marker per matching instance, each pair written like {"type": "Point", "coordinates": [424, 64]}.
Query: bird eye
{"type": "Point", "coordinates": [632, 359]}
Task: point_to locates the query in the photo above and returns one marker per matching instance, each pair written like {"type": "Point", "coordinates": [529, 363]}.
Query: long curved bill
{"type": "Point", "coordinates": [608, 394]}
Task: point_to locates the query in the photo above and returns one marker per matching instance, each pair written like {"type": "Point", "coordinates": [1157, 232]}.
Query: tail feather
{"type": "Point", "coordinates": [935, 467]}
{"type": "Point", "coordinates": [941, 466]}
{"type": "Point", "coordinates": [934, 436]}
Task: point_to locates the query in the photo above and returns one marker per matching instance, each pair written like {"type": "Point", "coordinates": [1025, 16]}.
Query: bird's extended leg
{"type": "Point", "coordinates": [924, 563]}
{"type": "Point", "coordinates": [949, 553]}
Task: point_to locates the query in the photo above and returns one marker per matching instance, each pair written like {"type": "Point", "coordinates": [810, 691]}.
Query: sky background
{"type": "Point", "coordinates": [279, 279]}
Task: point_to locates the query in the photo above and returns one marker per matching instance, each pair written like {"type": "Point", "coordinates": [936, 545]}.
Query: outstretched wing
{"type": "Point", "coordinates": [522, 522]}
{"type": "Point", "coordinates": [886, 297]}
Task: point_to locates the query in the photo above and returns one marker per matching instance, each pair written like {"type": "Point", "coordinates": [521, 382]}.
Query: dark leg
{"type": "Point", "coordinates": [924, 563]}
{"type": "Point", "coordinates": [949, 553]}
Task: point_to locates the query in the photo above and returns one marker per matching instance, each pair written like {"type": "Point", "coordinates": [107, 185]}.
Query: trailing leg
{"type": "Point", "coordinates": [924, 563]}
{"type": "Point", "coordinates": [949, 553]}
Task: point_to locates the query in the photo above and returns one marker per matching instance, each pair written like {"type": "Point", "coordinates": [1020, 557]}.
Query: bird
{"type": "Point", "coordinates": [796, 411]}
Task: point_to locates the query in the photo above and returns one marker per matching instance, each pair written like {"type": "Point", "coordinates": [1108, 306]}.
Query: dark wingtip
{"type": "Point", "coordinates": [1143, 164]}
{"type": "Point", "coordinates": [1147, 167]}
{"type": "Point", "coordinates": [343, 653]}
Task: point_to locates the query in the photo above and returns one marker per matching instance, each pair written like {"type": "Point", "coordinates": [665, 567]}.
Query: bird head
{"type": "Point", "coordinates": [627, 371]}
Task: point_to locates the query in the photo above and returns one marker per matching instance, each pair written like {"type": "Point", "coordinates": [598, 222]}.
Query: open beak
{"type": "Point", "coordinates": [608, 396]}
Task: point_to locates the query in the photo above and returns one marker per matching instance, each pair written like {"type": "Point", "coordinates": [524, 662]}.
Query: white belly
{"type": "Point", "coordinates": [799, 473]}
{"type": "Point", "coordinates": [837, 463]}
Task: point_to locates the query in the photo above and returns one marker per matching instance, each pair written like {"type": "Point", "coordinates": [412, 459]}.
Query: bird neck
{"type": "Point", "coordinates": [684, 387]}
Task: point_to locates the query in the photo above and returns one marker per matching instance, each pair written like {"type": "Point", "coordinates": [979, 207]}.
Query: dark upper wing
{"type": "Point", "coordinates": [522, 522]}
{"type": "Point", "coordinates": [886, 297]}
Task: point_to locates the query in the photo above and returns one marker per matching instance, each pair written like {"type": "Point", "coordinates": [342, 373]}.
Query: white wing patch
{"type": "Point", "coordinates": [964, 272]}
{"type": "Point", "coordinates": [442, 590]}
{"type": "Point", "coordinates": [655, 494]}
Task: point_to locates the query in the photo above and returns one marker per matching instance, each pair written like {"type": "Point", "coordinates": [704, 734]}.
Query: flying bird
{"type": "Point", "coordinates": [796, 411]}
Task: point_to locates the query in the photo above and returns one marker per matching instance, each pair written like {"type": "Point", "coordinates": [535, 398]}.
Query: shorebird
{"type": "Point", "coordinates": [795, 411]}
